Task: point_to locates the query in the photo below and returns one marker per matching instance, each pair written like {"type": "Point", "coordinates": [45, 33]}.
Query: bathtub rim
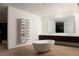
{"type": "Point", "coordinates": [43, 41]}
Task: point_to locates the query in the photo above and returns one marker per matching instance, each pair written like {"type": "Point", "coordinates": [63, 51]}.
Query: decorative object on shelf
{"type": "Point", "coordinates": [23, 30]}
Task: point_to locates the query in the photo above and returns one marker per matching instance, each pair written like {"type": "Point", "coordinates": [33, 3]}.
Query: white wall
{"type": "Point", "coordinates": [35, 25]}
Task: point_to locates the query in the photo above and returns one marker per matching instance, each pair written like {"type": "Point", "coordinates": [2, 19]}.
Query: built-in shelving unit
{"type": "Point", "coordinates": [23, 30]}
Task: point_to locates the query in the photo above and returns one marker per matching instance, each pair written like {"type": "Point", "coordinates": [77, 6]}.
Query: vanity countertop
{"type": "Point", "coordinates": [62, 34]}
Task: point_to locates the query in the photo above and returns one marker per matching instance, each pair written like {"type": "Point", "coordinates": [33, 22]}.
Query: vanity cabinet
{"type": "Point", "coordinates": [74, 39]}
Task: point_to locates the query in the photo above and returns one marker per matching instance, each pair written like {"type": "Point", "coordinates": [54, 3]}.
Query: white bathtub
{"type": "Point", "coordinates": [43, 45]}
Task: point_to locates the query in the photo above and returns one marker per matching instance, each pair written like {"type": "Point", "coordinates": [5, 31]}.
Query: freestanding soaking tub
{"type": "Point", "coordinates": [43, 45]}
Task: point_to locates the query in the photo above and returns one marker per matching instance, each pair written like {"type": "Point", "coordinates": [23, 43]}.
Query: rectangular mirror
{"type": "Point", "coordinates": [64, 24]}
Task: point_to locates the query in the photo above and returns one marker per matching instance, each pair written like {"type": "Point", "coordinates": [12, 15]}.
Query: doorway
{"type": "Point", "coordinates": [3, 35]}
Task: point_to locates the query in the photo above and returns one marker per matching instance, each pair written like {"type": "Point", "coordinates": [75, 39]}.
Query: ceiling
{"type": "Point", "coordinates": [44, 9]}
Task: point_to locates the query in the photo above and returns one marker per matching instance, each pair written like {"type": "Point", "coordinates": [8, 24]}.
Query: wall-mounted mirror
{"type": "Point", "coordinates": [64, 24]}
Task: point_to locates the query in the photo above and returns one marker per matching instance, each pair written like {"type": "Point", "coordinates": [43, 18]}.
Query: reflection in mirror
{"type": "Point", "coordinates": [58, 25]}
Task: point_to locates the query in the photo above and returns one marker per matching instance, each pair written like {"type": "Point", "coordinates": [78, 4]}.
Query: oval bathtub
{"type": "Point", "coordinates": [43, 45]}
